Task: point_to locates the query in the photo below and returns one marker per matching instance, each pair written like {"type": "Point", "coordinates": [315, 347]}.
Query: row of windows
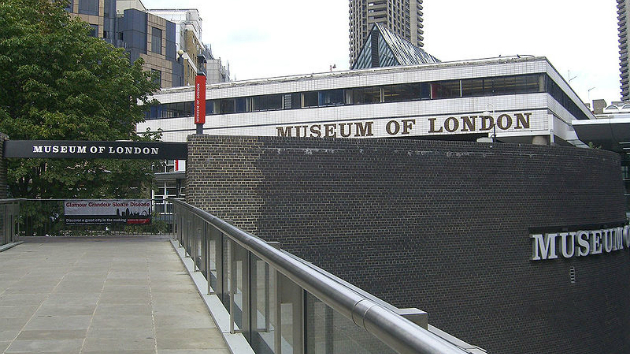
{"type": "Point", "coordinates": [505, 85]}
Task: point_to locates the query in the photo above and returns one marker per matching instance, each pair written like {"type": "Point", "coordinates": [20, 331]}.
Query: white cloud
{"type": "Point", "coordinates": [577, 36]}
{"type": "Point", "coordinates": [286, 37]}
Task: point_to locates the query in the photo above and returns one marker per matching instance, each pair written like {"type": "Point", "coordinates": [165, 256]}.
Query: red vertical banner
{"type": "Point", "coordinates": [200, 99]}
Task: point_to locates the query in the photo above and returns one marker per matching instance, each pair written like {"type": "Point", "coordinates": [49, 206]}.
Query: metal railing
{"type": "Point", "coordinates": [9, 216]}
{"type": "Point", "coordinates": [282, 304]}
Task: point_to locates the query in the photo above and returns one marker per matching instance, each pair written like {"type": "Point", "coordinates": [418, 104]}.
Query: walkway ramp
{"type": "Point", "coordinates": [126, 295]}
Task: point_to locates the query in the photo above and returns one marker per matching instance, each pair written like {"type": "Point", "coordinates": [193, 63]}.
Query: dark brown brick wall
{"type": "Point", "coordinates": [441, 226]}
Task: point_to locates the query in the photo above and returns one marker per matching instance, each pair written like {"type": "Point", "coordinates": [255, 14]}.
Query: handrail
{"type": "Point", "coordinates": [395, 331]}
{"type": "Point", "coordinates": [11, 201]}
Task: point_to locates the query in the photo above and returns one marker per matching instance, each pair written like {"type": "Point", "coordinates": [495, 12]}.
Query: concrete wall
{"type": "Point", "coordinates": [441, 226]}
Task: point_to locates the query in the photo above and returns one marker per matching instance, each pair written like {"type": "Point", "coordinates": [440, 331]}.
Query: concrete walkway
{"type": "Point", "coordinates": [127, 295]}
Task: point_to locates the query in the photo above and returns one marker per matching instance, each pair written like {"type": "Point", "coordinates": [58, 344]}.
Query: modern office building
{"type": "Point", "coordinates": [99, 14]}
{"type": "Point", "coordinates": [188, 38]}
{"type": "Point", "coordinates": [151, 38]}
{"type": "Point", "coordinates": [403, 17]}
{"type": "Point", "coordinates": [168, 41]}
{"type": "Point", "coordinates": [623, 17]}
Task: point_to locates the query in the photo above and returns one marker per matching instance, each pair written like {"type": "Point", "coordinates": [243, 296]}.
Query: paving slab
{"type": "Point", "coordinates": [128, 295]}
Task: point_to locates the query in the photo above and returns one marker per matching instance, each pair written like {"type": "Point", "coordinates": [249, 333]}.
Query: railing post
{"type": "Point", "coordinates": [221, 271]}
{"type": "Point", "coordinates": [277, 336]}
{"type": "Point", "coordinates": [232, 273]}
{"type": "Point", "coordinates": [196, 245]}
{"type": "Point", "coordinates": [206, 251]}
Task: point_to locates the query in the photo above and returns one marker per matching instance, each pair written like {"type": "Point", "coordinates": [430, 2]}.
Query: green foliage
{"type": "Point", "coordinates": [58, 83]}
{"type": "Point", "coordinates": [45, 218]}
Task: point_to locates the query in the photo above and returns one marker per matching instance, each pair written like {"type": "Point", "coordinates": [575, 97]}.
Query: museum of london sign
{"type": "Point", "coordinates": [580, 243]}
{"type": "Point", "coordinates": [94, 149]}
{"type": "Point", "coordinates": [439, 125]}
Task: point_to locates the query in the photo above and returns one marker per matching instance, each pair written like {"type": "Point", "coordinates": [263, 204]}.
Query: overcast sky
{"type": "Point", "coordinates": [285, 37]}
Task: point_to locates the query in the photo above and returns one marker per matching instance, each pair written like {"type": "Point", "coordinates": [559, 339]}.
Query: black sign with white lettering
{"type": "Point", "coordinates": [61, 149]}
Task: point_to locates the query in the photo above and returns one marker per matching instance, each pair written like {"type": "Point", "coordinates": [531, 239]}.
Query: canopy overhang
{"type": "Point", "coordinates": [609, 133]}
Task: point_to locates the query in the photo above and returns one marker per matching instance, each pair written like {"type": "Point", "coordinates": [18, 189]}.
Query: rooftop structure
{"type": "Point", "coordinates": [402, 17]}
{"type": "Point", "coordinates": [385, 48]}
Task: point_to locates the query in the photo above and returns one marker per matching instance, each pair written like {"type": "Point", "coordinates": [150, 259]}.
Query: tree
{"type": "Point", "coordinates": [59, 83]}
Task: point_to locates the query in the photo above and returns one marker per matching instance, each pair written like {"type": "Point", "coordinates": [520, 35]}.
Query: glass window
{"type": "Point", "coordinates": [88, 7]}
{"type": "Point", "coordinates": [93, 30]}
{"type": "Point", "coordinates": [156, 77]}
{"type": "Point", "coordinates": [445, 89]}
{"type": "Point", "coordinates": [291, 101]}
{"type": "Point", "coordinates": [366, 95]}
{"type": "Point", "coordinates": [186, 109]}
{"type": "Point", "coordinates": [240, 105]}
{"type": "Point", "coordinates": [503, 85]}
{"type": "Point", "coordinates": [274, 102]}
{"type": "Point", "coordinates": [179, 109]}
{"type": "Point", "coordinates": [474, 87]}
{"type": "Point", "coordinates": [171, 110]}
{"type": "Point", "coordinates": [535, 83]}
{"type": "Point", "coordinates": [209, 106]}
{"type": "Point", "coordinates": [405, 92]}
{"type": "Point", "coordinates": [226, 106]}
{"type": "Point", "coordinates": [331, 97]}
{"type": "Point", "coordinates": [156, 40]}
{"type": "Point", "coordinates": [267, 102]}
{"type": "Point", "coordinates": [310, 99]}
{"type": "Point", "coordinates": [510, 85]}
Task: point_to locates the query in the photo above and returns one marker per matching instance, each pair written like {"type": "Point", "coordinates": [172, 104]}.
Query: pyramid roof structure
{"type": "Point", "coordinates": [384, 48]}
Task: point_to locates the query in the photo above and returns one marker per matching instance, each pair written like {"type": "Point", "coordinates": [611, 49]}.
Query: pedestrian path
{"type": "Point", "coordinates": [127, 295]}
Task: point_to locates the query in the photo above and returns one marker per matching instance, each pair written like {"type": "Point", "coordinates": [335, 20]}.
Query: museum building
{"type": "Point", "coordinates": [519, 99]}
{"type": "Point", "coordinates": [508, 246]}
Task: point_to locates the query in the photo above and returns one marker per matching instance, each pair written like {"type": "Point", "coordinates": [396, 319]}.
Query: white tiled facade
{"type": "Point", "coordinates": [522, 118]}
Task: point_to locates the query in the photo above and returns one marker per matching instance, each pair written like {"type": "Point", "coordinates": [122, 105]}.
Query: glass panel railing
{"type": "Point", "coordinates": [226, 274]}
{"type": "Point", "coordinates": [239, 271]}
{"type": "Point", "coordinates": [263, 309]}
{"type": "Point", "coordinates": [214, 260]}
{"type": "Point", "coordinates": [289, 316]}
{"type": "Point", "coordinates": [282, 304]}
{"type": "Point", "coordinates": [9, 217]}
{"type": "Point", "coordinates": [328, 332]}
